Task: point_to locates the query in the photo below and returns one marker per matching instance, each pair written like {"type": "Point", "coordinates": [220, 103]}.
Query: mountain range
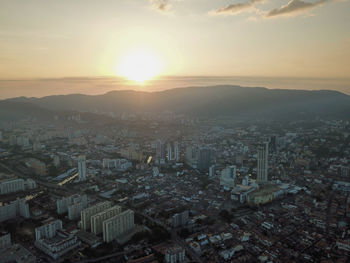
{"type": "Point", "coordinates": [214, 101]}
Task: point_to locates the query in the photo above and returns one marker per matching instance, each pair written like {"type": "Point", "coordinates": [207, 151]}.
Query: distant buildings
{"type": "Point", "coordinates": [180, 219]}
{"type": "Point", "coordinates": [5, 240]}
{"type": "Point", "coordinates": [15, 208]}
{"type": "Point", "coordinates": [82, 168]}
{"type": "Point", "coordinates": [160, 149]}
{"type": "Point", "coordinates": [199, 157]}
{"type": "Point", "coordinates": [175, 255]}
{"type": "Point", "coordinates": [38, 166]}
{"type": "Point", "coordinates": [53, 240]}
{"type": "Point", "coordinates": [16, 253]}
{"type": "Point", "coordinates": [170, 153]}
{"type": "Point", "coordinates": [345, 171]}
{"type": "Point", "coordinates": [228, 177]}
{"type": "Point", "coordinates": [176, 151]}
{"type": "Point", "coordinates": [73, 204]}
{"type": "Point", "coordinates": [120, 164]}
{"type": "Point", "coordinates": [118, 225]}
{"type": "Point", "coordinates": [263, 153]}
{"type": "Point", "coordinates": [211, 171]}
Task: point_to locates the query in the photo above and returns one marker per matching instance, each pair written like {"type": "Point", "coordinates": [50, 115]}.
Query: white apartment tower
{"type": "Point", "coordinates": [118, 225]}
{"type": "Point", "coordinates": [87, 213]}
{"type": "Point", "coordinates": [263, 153]}
{"type": "Point", "coordinates": [98, 219]}
{"type": "Point", "coordinates": [82, 168]}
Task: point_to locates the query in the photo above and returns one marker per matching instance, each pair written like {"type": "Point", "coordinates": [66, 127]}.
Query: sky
{"type": "Point", "coordinates": [255, 38]}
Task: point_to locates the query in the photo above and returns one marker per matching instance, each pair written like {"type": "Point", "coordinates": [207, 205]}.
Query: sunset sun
{"type": "Point", "coordinates": [139, 66]}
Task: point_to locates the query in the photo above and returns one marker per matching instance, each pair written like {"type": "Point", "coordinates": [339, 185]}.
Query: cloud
{"type": "Point", "coordinates": [294, 7]}
{"type": "Point", "coordinates": [234, 9]}
{"type": "Point", "coordinates": [161, 5]}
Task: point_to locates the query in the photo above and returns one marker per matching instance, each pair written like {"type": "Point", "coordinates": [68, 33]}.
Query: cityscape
{"type": "Point", "coordinates": [174, 189]}
{"type": "Point", "coordinates": [174, 131]}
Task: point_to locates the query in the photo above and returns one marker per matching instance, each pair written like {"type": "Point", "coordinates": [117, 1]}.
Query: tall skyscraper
{"type": "Point", "coordinates": [176, 151]}
{"type": "Point", "coordinates": [263, 153]}
{"type": "Point", "coordinates": [160, 149]}
{"type": "Point", "coordinates": [82, 168]}
{"type": "Point", "coordinates": [170, 152]}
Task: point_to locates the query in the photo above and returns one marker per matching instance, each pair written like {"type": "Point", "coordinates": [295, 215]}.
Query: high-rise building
{"type": "Point", "coordinates": [176, 151]}
{"type": "Point", "coordinates": [98, 219]}
{"type": "Point", "coordinates": [19, 207]}
{"type": "Point", "coordinates": [170, 152]}
{"type": "Point", "coordinates": [73, 204]}
{"type": "Point", "coordinates": [11, 185]}
{"type": "Point", "coordinates": [199, 157]}
{"type": "Point", "coordinates": [263, 153]}
{"type": "Point", "coordinates": [1, 136]}
{"type": "Point", "coordinates": [87, 213]}
{"type": "Point", "coordinates": [228, 177]}
{"type": "Point", "coordinates": [118, 225]}
{"type": "Point", "coordinates": [160, 149]}
{"type": "Point", "coordinates": [180, 219]}
{"type": "Point", "coordinates": [211, 171]}
{"type": "Point", "coordinates": [82, 168]}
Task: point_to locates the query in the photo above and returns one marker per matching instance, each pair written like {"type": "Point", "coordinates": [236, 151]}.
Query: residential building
{"type": "Point", "coordinates": [87, 213]}
{"type": "Point", "coordinates": [118, 225]}
{"type": "Point", "coordinates": [98, 219]}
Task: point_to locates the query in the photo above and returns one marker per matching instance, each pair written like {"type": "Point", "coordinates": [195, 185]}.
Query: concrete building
{"type": "Point", "coordinates": [5, 240]}
{"type": "Point", "coordinates": [175, 255]}
{"type": "Point", "coordinates": [180, 219]}
{"type": "Point", "coordinates": [87, 213]}
{"type": "Point", "coordinates": [170, 152]}
{"type": "Point", "coordinates": [12, 185]}
{"type": "Point", "coordinates": [118, 225]}
{"type": "Point", "coordinates": [160, 150]}
{"type": "Point", "coordinates": [345, 171]}
{"type": "Point", "coordinates": [228, 177]}
{"type": "Point", "coordinates": [54, 241]}
{"type": "Point", "coordinates": [82, 168]}
{"type": "Point", "coordinates": [19, 207]}
{"type": "Point", "coordinates": [199, 157]}
{"type": "Point", "coordinates": [211, 171]}
{"type": "Point", "coordinates": [176, 151]}
{"type": "Point", "coordinates": [48, 230]}
{"type": "Point", "coordinates": [73, 204]}
{"type": "Point", "coordinates": [98, 219]}
{"type": "Point", "coordinates": [263, 153]}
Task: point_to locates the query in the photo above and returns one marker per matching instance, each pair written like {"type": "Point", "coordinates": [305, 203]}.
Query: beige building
{"type": "Point", "coordinates": [98, 219]}
{"type": "Point", "coordinates": [87, 213]}
{"type": "Point", "coordinates": [118, 225]}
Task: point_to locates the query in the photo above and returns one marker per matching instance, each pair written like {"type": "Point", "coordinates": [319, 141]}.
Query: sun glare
{"type": "Point", "coordinates": [139, 66]}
